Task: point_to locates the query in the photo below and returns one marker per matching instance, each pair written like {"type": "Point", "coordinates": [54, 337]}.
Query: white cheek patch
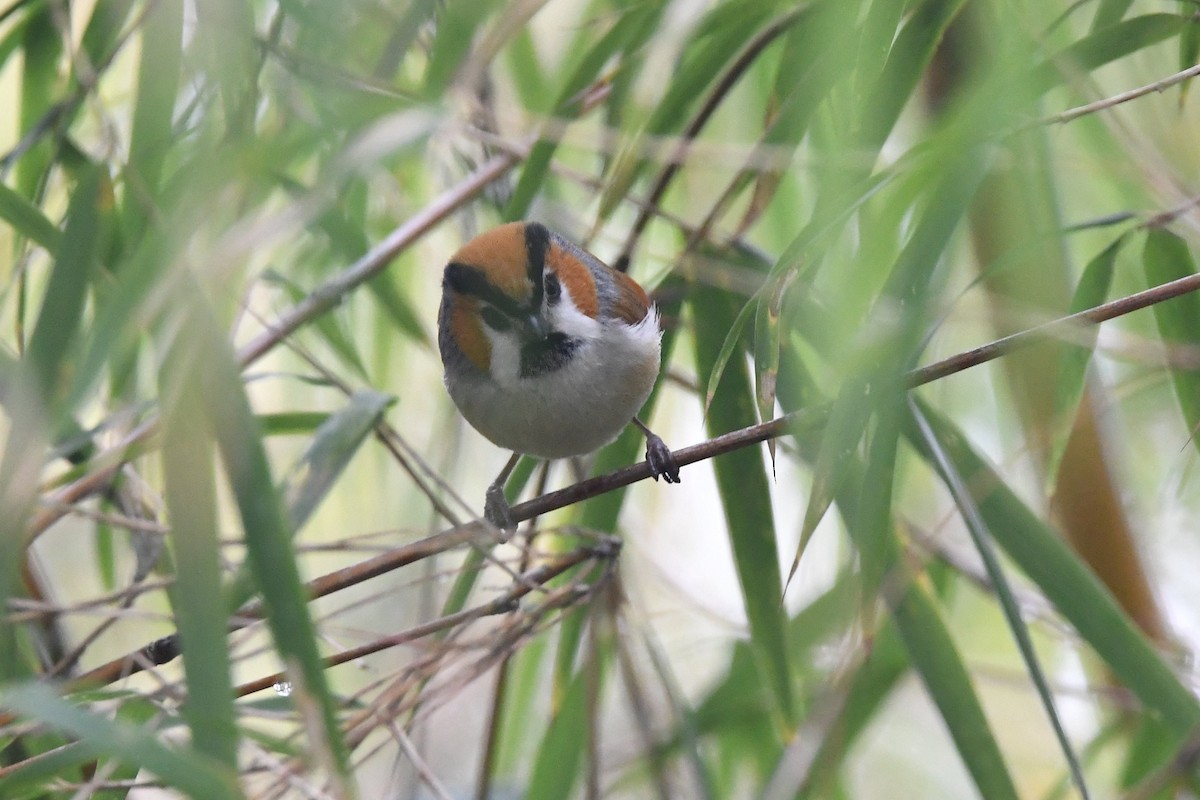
{"type": "Point", "coordinates": [565, 317]}
{"type": "Point", "coordinates": [562, 317]}
{"type": "Point", "coordinates": [506, 356]}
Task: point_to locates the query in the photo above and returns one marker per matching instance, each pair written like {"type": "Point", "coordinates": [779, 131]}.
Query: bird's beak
{"type": "Point", "coordinates": [535, 326]}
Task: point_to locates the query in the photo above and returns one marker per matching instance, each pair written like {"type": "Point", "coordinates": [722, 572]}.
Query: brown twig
{"type": "Point", "coordinates": [330, 293]}
{"type": "Point", "coordinates": [501, 604]}
{"type": "Point", "coordinates": [1054, 329]}
{"type": "Point", "coordinates": [1123, 97]}
{"type": "Point", "coordinates": [720, 91]}
{"type": "Point", "coordinates": [805, 419]}
{"type": "Point", "coordinates": [322, 299]}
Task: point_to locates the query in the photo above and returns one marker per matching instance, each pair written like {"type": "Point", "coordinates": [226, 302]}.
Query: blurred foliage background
{"type": "Point", "coordinates": [235, 502]}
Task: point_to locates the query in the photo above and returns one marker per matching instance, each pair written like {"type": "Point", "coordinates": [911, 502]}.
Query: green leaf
{"type": "Point", "coordinates": [1073, 588]}
{"type": "Point", "coordinates": [1092, 291]}
{"type": "Point", "coordinates": [153, 136]}
{"type": "Point", "coordinates": [907, 63]}
{"type": "Point", "coordinates": [28, 220]}
{"type": "Point", "coordinates": [732, 344]}
{"type": "Point", "coordinates": [103, 31]}
{"type": "Point", "coordinates": [225, 40]}
{"type": "Point", "coordinates": [1109, 12]}
{"type": "Point", "coordinates": [933, 654]}
{"type": "Point", "coordinates": [717, 41]}
{"type": "Point", "coordinates": [292, 422]}
{"type": "Point", "coordinates": [187, 458]}
{"type": "Point", "coordinates": [1165, 258]}
{"type": "Point", "coordinates": [834, 462]}
{"type": "Point", "coordinates": [1105, 45]}
{"type": "Point", "coordinates": [62, 309]}
{"type": "Point", "coordinates": [268, 537]}
{"type": "Point", "coordinates": [560, 751]}
{"type": "Point", "coordinates": [1153, 745]}
{"type": "Point", "coordinates": [745, 497]}
{"type": "Point", "coordinates": [41, 46]}
{"type": "Point", "coordinates": [457, 26]}
{"type": "Point", "coordinates": [982, 539]}
{"type": "Point", "coordinates": [192, 773]}
{"type": "Point", "coordinates": [627, 33]}
{"type": "Point", "coordinates": [332, 447]}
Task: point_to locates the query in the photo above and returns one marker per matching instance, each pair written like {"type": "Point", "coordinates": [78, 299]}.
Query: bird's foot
{"type": "Point", "coordinates": [498, 512]}
{"type": "Point", "coordinates": [661, 459]}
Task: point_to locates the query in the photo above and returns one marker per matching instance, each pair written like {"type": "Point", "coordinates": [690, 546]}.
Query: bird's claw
{"type": "Point", "coordinates": [661, 460]}
{"type": "Point", "coordinates": [498, 512]}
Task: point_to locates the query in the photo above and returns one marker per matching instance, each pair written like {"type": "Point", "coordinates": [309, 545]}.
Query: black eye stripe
{"type": "Point", "coordinates": [495, 319]}
{"type": "Point", "coordinates": [470, 281]}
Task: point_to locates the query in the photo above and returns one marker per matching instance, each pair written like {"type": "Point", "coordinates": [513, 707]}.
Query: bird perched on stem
{"type": "Point", "coordinates": [547, 350]}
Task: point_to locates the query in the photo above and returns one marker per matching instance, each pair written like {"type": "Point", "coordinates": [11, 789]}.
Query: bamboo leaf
{"type": "Point", "coordinates": [268, 538]}
{"type": "Point", "coordinates": [627, 33]}
{"type": "Point", "coordinates": [745, 496]}
{"type": "Point", "coordinates": [933, 654]}
{"type": "Point", "coordinates": [1073, 589]}
{"type": "Point", "coordinates": [1107, 44]}
{"type": "Point", "coordinates": [717, 41]}
{"type": "Point", "coordinates": [981, 536]}
{"type": "Point", "coordinates": [1092, 291]}
{"type": "Point", "coordinates": [153, 115]}
{"type": "Point", "coordinates": [190, 772]}
{"type": "Point", "coordinates": [187, 457]}
{"type": "Point", "coordinates": [62, 309]}
{"type": "Point", "coordinates": [1166, 257]}
{"type": "Point", "coordinates": [560, 752]}
{"type": "Point", "coordinates": [28, 220]}
{"type": "Point", "coordinates": [333, 445]}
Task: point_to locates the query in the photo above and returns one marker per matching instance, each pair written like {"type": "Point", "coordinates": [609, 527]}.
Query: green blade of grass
{"type": "Point", "coordinates": [745, 497]}
{"type": "Point", "coordinates": [1092, 291]}
{"type": "Point", "coordinates": [269, 550]}
{"type": "Point", "coordinates": [627, 34]}
{"type": "Point", "coordinates": [1165, 258]}
{"type": "Point", "coordinates": [28, 220]}
{"type": "Point", "coordinates": [192, 773]}
{"type": "Point", "coordinates": [187, 459]}
{"type": "Point", "coordinates": [981, 537]}
{"type": "Point", "coordinates": [1073, 588]}
{"type": "Point", "coordinates": [62, 309]}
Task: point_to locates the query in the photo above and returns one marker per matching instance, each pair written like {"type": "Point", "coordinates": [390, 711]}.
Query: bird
{"type": "Point", "coordinates": [547, 351]}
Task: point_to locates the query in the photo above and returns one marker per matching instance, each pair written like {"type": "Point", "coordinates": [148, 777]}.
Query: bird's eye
{"type": "Point", "coordinates": [552, 287]}
{"type": "Point", "coordinates": [495, 319]}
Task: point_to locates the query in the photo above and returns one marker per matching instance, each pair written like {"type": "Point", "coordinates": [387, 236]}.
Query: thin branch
{"type": "Point", "coordinates": [531, 579]}
{"type": "Point", "coordinates": [1053, 330]}
{"type": "Point", "coordinates": [1123, 97]}
{"type": "Point", "coordinates": [323, 298]}
{"type": "Point", "coordinates": [720, 91]}
{"type": "Point", "coordinates": [478, 532]}
{"type": "Point", "coordinates": [330, 293]}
